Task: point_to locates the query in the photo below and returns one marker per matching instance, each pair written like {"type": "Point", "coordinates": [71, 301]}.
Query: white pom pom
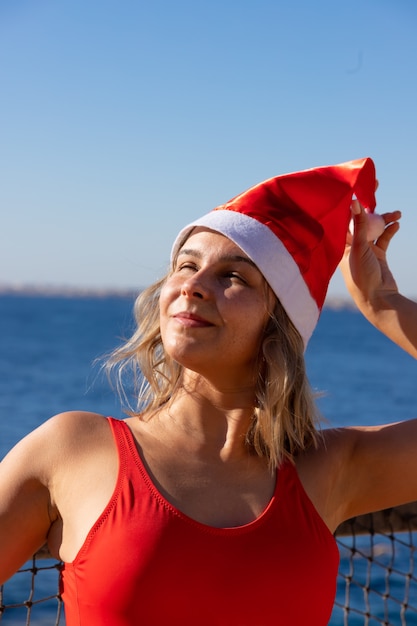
{"type": "Point", "coordinates": [375, 225]}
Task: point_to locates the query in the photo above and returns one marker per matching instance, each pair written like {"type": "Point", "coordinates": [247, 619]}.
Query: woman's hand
{"type": "Point", "coordinates": [372, 286]}
{"type": "Point", "coordinates": [364, 265]}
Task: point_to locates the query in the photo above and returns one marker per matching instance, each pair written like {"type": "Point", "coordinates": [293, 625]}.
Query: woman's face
{"type": "Point", "coordinates": [214, 308]}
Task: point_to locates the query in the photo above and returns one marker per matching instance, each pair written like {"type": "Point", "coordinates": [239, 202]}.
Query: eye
{"type": "Point", "coordinates": [186, 265]}
{"type": "Point", "coordinates": [235, 276]}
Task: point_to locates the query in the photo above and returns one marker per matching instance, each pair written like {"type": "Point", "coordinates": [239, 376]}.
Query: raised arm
{"type": "Point", "coordinates": [372, 285]}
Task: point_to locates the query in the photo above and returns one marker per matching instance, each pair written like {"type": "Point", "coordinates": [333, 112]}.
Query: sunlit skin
{"type": "Point", "coordinates": [214, 307]}
{"type": "Point", "coordinates": [213, 311]}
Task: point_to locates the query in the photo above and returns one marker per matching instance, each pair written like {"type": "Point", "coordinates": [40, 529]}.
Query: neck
{"type": "Point", "coordinates": [216, 419]}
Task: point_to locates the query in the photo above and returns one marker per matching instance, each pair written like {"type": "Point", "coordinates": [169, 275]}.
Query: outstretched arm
{"type": "Point", "coordinates": [372, 285]}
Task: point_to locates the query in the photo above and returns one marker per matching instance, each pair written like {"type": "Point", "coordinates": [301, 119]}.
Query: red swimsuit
{"type": "Point", "coordinates": [144, 563]}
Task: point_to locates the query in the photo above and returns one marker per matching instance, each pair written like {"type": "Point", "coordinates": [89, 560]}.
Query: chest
{"type": "Point", "coordinates": [279, 569]}
{"type": "Point", "coordinates": [213, 493]}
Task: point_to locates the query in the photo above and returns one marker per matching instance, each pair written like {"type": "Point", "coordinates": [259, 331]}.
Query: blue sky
{"type": "Point", "coordinates": [122, 120]}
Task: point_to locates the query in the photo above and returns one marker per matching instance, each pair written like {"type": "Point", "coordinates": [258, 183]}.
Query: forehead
{"type": "Point", "coordinates": [207, 240]}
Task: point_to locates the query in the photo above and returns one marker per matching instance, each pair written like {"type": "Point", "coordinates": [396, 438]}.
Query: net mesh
{"type": "Point", "coordinates": [32, 596]}
{"type": "Point", "coordinates": [377, 582]}
{"type": "Point", "coordinates": [377, 574]}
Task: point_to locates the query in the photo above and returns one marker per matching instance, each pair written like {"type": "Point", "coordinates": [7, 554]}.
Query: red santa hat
{"type": "Point", "coordinates": [294, 229]}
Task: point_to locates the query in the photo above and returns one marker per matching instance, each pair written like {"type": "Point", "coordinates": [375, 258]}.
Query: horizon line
{"type": "Point", "coordinates": [73, 291]}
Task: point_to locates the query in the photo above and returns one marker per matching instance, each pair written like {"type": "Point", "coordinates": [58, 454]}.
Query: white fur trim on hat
{"type": "Point", "coordinates": [272, 259]}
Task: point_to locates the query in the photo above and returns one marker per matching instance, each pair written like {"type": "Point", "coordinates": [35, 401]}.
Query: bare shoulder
{"type": "Point", "coordinates": [323, 469]}
{"type": "Point", "coordinates": [334, 446]}
{"type": "Point", "coordinates": [58, 438]}
{"type": "Point", "coordinates": [361, 469]}
{"type": "Point", "coordinates": [84, 473]}
{"type": "Point", "coordinates": [42, 480]}
{"type": "Point", "coordinates": [75, 430]}
{"type": "Point", "coordinates": [73, 424]}
{"type": "Point", "coordinates": [60, 441]}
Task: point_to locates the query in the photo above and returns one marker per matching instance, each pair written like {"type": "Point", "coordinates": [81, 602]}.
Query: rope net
{"type": "Point", "coordinates": [32, 596]}
{"type": "Point", "coordinates": [377, 582]}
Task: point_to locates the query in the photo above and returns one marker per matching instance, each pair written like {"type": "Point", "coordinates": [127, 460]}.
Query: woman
{"type": "Point", "coordinates": [215, 502]}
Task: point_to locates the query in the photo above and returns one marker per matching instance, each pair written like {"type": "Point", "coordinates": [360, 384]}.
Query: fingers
{"type": "Point", "coordinates": [360, 224]}
{"type": "Point", "coordinates": [384, 240]}
{"type": "Point", "coordinates": [391, 228]}
{"type": "Point", "coordinates": [393, 216]}
{"type": "Point", "coordinates": [357, 224]}
{"type": "Point", "coordinates": [360, 237]}
{"type": "Point", "coordinates": [366, 226]}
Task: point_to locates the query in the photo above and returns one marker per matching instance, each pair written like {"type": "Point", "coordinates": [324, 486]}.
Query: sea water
{"type": "Point", "coordinates": [49, 348]}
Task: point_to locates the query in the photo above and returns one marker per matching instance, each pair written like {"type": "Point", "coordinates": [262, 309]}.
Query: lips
{"type": "Point", "coordinates": [191, 320]}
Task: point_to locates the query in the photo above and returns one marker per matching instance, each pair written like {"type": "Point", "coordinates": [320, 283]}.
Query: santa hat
{"type": "Point", "coordinates": [294, 229]}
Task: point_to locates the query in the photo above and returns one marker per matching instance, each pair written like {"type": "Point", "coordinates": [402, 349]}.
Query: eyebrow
{"type": "Point", "coordinates": [227, 258]}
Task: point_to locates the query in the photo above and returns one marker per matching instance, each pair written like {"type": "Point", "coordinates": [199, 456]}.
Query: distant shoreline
{"type": "Point", "coordinates": [49, 291]}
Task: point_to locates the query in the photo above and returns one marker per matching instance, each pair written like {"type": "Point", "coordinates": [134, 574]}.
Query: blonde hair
{"type": "Point", "coordinates": [285, 417]}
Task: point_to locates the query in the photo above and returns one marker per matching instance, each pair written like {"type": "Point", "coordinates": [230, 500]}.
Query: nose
{"type": "Point", "coordinates": [195, 287]}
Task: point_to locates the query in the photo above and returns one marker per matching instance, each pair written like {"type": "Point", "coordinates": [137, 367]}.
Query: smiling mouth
{"type": "Point", "coordinates": [191, 320]}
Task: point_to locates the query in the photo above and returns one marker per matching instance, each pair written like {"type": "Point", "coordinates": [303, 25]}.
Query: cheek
{"type": "Point", "coordinates": [168, 293]}
{"type": "Point", "coordinates": [164, 301]}
{"type": "Point", "coordinates": [258, 327]}
{"type": "Point", "coordinates": [249, 321]}
{"type": "Point", "coordinates": [168, 296]}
